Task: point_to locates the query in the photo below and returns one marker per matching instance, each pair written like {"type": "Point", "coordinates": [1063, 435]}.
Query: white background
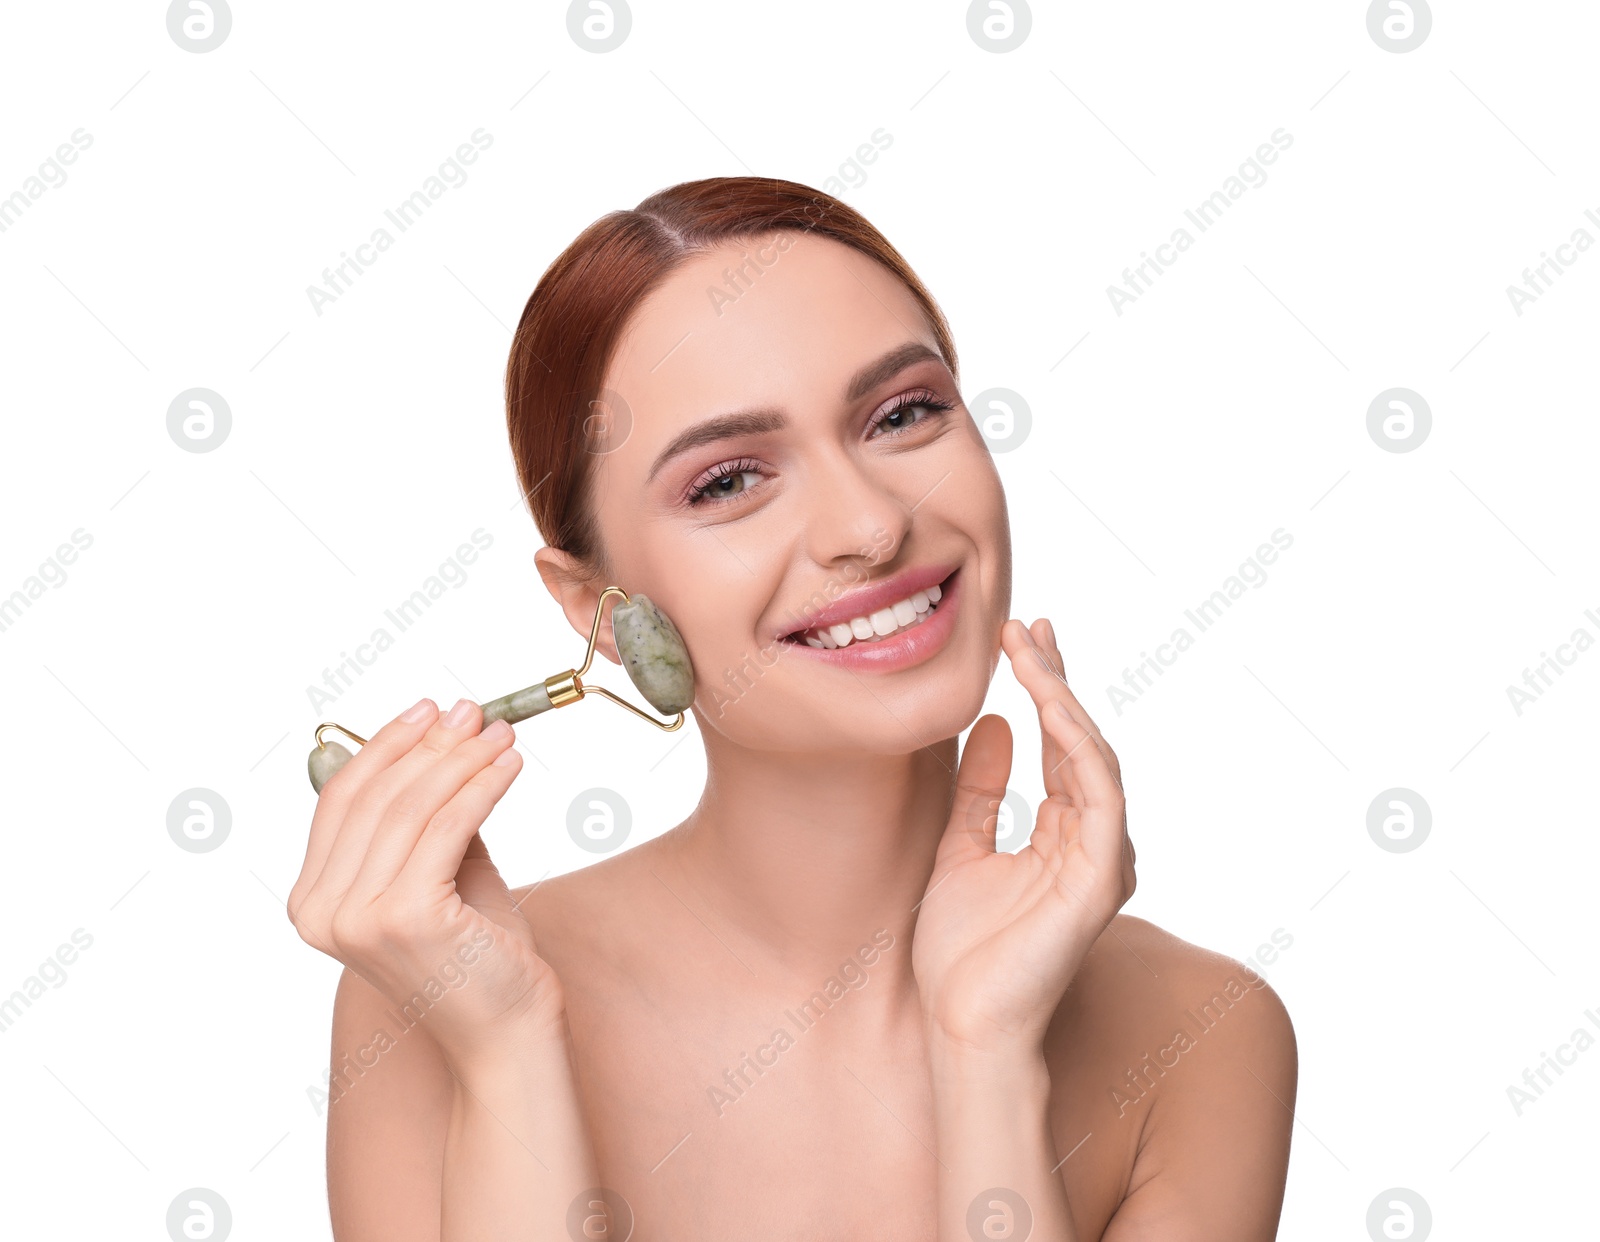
{"type": "Point", "coordinates": [1167, 443]}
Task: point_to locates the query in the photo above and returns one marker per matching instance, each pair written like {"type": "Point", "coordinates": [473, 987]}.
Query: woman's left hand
{"type": "Point", "coordinates": [999, 936]}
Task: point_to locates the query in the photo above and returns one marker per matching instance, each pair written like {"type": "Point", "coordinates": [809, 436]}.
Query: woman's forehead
{"type": "Point", "coordinates": [755, 324]}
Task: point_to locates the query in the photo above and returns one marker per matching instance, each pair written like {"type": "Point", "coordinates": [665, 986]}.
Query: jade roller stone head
{"type": "Point", "coordinates": [653, 653]}
{"type": "Point", "coordinates": [650, 649]}
{"type": "Point", "coordinates": [326, 759]}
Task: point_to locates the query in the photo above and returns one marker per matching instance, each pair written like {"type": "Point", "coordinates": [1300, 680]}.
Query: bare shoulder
{"type": "Point", "coordinates": [1189, 1056]}
{"type": "Point", "coordinates": [1139, 980]}
{"type": "Point", "coordinates": [558, 907]}
{"type": "Point", "coordinates": [1147, 973]}
{"type": "Point", "coordinates": [595, 886]}
{"type": "Point", "coordinates": [585, 918]}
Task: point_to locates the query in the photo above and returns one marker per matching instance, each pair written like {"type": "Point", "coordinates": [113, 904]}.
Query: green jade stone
{"type": "Point", "coordinates": [325, 760]}
{"type": "Point", "coordinates": [517, 706]}
{"type": "Point", "coordinates": [654, 655]}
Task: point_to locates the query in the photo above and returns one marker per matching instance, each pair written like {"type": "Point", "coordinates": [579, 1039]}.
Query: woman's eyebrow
{"type": "Point", "coordinates": [722, 427]}
{"type": "Point", "coordinates": [887, 367]}
{"type": "Point", "coordinates": [761, 421]}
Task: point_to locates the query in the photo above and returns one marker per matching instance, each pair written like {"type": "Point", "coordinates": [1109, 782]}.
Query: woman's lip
{"type": "Point", "coordinates": [900, 650]}
{"type": "Point", "coordinates": [865, 601]}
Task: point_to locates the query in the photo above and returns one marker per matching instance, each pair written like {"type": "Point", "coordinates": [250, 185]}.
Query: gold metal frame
{"type": "Point", "coordinates": [563, 688]}
{"type": "Point", "coordinates": [569, 684]}
{"type": "Point", "coordinates": [328, 724]}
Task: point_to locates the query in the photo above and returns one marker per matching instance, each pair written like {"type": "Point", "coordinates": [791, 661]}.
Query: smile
{"type": "Point", "coordinates": [903, 633]}
{"type": "Point", "coordinates": [877, 626]}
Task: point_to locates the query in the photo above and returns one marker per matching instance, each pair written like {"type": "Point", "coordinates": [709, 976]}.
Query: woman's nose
{"type": "Point", "coordinates": [854, 509]}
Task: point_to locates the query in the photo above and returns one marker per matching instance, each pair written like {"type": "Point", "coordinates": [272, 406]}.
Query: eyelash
{"type": "Point", "coordinates": [700, 491]}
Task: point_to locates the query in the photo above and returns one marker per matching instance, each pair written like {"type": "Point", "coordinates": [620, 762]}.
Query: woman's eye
{"type": "Point", "coordinates": [721, 486]}
{"type": "Point", "coordinates": [900, 417]}
{"type": "Point", "coordinates": [733, 480]}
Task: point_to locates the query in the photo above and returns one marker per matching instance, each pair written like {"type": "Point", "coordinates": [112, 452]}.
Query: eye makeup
{"type": "Point", "coordinates": [706, 486]}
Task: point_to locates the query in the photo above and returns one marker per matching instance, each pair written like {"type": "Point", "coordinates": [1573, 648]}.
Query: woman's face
{"type": "Point", "coordinates": [836, 472]}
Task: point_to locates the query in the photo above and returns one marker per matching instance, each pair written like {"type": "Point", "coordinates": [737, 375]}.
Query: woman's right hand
{"type": "Point", "coordinates": [397, 884]}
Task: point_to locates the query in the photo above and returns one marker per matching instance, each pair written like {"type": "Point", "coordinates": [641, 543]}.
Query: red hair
{"type": "Point", "coordinates": [569, 328]}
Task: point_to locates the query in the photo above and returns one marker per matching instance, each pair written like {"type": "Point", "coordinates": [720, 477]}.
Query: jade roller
{"type": "Point", "coordinates": [651, 650]}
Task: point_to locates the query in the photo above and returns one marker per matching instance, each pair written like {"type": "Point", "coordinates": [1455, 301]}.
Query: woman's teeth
{"type": "Point", "coordinates": [876, 626]}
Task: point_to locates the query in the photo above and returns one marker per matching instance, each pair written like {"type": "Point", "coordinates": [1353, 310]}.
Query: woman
{"type": "Point", "coordinates": [823, 1005]}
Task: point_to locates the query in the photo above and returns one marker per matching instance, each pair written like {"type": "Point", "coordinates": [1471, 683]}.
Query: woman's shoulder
{"type": "Point", "coordinates": [1152, 960]}
{"type": "Point", "coordinates": [1142, 983]}
{"type": "Point", "coordinates": [1184, 1060]}
{"type": "Point", "coordinates": [585, 916]}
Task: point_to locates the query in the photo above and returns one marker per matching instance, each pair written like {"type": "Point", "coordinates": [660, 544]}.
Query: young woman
{"type": "Point", "coordinates": [823, 1005]}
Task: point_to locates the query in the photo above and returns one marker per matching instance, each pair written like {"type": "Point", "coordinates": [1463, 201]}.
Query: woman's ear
{"type": "Point", "coordinates": [575, 585]}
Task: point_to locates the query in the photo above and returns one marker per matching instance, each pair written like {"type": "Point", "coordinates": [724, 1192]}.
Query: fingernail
{"type": "Point", "coordinates": [1051, 631]}
{"type": "Point", "coordinates": [416, 713]}
{"type": "Point", "coordinates": [507, 757]}
{"type": "Point", "coordinates": [496, 731]}
{"type": "Point", "coordinates": [458, 714]}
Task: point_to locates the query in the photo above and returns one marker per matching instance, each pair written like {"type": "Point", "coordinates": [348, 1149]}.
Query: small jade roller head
{"type": "Point", "coordinates": [654, 655]}
{"type": "Point", "coordinates": [326, 758]}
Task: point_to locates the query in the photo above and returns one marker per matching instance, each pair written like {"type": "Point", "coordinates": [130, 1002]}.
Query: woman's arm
{"type": "Point", "coordinates": [998, 939]}
{"type": "Point", "coordinates": [398, 885]}
{"type": "Point", "coordinates": [518, 1154]}
{"type": "Point", "coordinates": [999, 1171]}
{"type": "Point", "coordinates": [419, 1151]}
{"type": "Point", "coordinates": [1214, 1159]}
{"type": "Point", "coordinates": [386, 1121]}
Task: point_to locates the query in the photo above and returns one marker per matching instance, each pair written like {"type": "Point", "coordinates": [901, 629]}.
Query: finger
{"type": "Point", "coordinates": [442, 852]}
{"type": "Point", "coordinates": [1042, 635]}
{"type": "Point", "coordinates": [1032, 665]}
{"type": "Point", "coordinates": [1028, 648]}
{"type": "Point", "coordinates": [1044, 638]}
{"type": "Point", "coordinates": [409, 814]}
{"type": "Point", "coordinates": [1032, 669]}
{"type": "Point", "coordinates": [478, 880]}
{"type": "Point", "coordinates": [371, 803]}
{"type": "Point", "coordinates": [1079, 712]}
{"type": "Point", "coordinates": [1098, 796]}
{"type": "Point", "coordinates": [980, 788]}
{"type": "Point", "coordinates": [333, 804]}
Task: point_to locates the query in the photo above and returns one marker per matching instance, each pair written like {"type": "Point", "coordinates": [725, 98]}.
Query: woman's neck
{"type": "Point", "coordinates": [807, 856]}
